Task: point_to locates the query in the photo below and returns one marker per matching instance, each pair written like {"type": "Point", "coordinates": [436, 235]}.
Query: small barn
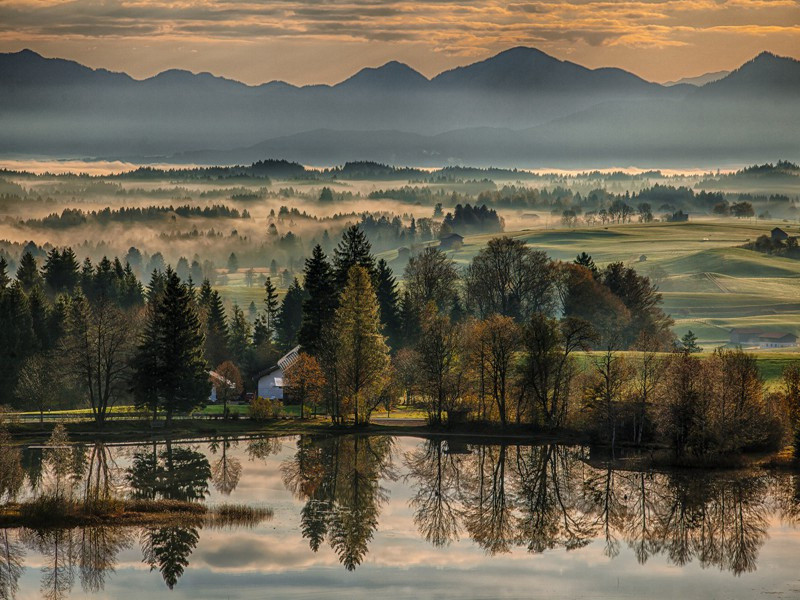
{"type": "Point", "coordinates": [779, 339]}
{"type": "Point", "coordinates": [452, 241]}
{"type": "Point", "coordinates": [762, 339]}
{"type": "Point", "coordinates": [778, 235]}
{"type": "Point", "coordinates": [270, 381]}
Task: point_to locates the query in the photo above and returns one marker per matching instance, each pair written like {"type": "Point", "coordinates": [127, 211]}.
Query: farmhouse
{"type": "Point", "coordinates": [270, 381]}
{"type": "Point", "coordinates": [451, 242]}
{"type": "Point", "coordinates": [762, 339]}
{"type": "Point", "coordinates": [778, 235]}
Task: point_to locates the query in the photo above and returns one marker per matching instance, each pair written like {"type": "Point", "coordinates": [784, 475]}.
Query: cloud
{"type": "Point", "coordinates": [453, 26]}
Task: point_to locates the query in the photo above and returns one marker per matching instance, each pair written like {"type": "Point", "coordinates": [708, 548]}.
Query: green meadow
{"type": "Point", "coordinates": [709, 283]}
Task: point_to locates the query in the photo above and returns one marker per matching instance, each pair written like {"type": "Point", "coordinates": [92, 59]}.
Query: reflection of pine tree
{"type": "Point", "coordinates": [168, 549]}
{"type": "Point", "coordinates": [173, 474]}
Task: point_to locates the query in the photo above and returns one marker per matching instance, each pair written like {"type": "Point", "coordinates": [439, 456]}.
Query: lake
{"type": "Point", "coordinates": [403, 517]}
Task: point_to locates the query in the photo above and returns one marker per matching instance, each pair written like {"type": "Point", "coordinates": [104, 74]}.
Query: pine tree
{"type": "Point", "coordinates": [320, 303]}
{"type": "Point", "coordinates": [270, 304]}
{"type": "Point", "coordinates": [217, 339]}
{"type": "Point", "coordinates": [290, 316]}
{"type": "Point", "coordinates": [145, 379]}
{"type": "Point", "coordinates": [386, 291]}
{"type": "Point", "coordinates": [363, 357]}
{"type": "Point", "coordinates": [17, 339]}
{"type": "Point", "coordinates": [238, 336]}
{"type": "Point", "coordinates": [28, 273]}
{"type": "Point", "coordinates": [354, 249]}
{"type": "Point", "coordinates": [4, 278]}
{"type": "Point", "coordinates": [183, 372]}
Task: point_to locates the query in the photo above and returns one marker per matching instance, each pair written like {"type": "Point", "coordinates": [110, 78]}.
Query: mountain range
{"type": "Point", "coordinates": [521, 107]}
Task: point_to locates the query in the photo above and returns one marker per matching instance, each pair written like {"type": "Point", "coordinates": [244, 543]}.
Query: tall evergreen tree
{"type": "Point", "coordinates": [386, 292]}
{"type": "Point", "coordinates": [28, 273]}
{"type": "Point", "coordinates": [4, 278]}
{"type": "Point", "coordinates": [238, 337]}
{"type": "Point", "coordinates": [290, 316]}
{"type": "Point", "coordinates": [17, 338]}
{"type": "Point", "coordinates": [171, 353]}
{"type": "Point", "coordinates": [320, 303]}
{"type": "Point", "coordinates": [354, 249]}
{"type": "Point", "coordinates": [217, 349]}
{"type": "Point", "coordinates": [271, 304]}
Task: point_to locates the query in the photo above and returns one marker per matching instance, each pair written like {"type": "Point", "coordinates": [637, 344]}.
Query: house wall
{"type": "Point", "coordinates": [267, 387]}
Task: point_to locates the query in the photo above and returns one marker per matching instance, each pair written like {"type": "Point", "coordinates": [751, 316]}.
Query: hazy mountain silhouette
{"type": "Point", "coordinates": [520, 106]}
{"type": "Point", "coordinates": [699, 80]}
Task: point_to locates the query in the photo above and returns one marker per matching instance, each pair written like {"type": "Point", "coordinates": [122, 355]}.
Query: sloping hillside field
{"type": "Point", "coordinates": [710, 284]}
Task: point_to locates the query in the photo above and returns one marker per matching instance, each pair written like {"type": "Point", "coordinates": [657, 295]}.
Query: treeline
{"type": "Point", "coordinates": [74, 217]}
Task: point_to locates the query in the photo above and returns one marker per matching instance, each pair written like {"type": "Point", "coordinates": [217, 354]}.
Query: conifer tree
{"type": "Point", "coordinates": [354, 249]}
{"type": "Point", "coordinates": [320, 303]}
{"type": "Point", "coordinates": [238, 336]}
{"type": "Point", "coordinates": [217, 339]}
{"type": "Point", "coordinates": [271, 304]}
{"type": "Point", "coordinates": [170, 370]}
{"type": "Point", "coordinates": [290, 316]}
{"type": "Point", "coordinates": [28, 273]}
{"type": "Point", "coordinates": [386, 292]}
{"type": "Point", "coordinates": [4, 278]}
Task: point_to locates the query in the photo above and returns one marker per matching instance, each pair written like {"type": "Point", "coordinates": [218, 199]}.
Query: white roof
{"type": "Point", "coordinates": [288, 359]}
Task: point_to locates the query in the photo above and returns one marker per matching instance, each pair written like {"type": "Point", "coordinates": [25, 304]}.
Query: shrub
{"type": "Point", "coordinates": [263, 409]}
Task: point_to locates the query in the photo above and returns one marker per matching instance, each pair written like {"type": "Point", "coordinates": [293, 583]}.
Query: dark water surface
{"type": "Point", "coordinates": [382, 517]}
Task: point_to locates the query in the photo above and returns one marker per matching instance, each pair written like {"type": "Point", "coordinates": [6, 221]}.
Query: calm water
{"type": "Point", "coordinates": [380, 517]}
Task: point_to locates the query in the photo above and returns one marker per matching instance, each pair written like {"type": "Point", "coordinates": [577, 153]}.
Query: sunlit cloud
{"type": "Point", "coordinates": [448, 29]}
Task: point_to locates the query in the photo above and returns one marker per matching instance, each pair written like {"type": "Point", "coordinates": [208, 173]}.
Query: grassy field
{"type": "Point", "coordinates": [709, 283]}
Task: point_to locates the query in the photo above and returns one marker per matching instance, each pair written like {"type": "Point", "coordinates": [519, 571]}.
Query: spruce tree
{"type": "Point", "coordinates": [386, 292]}
{"type": "Point", "coordinates": [17, 339]}
{"type": "Point", "coordinates": [354, 249]}
{"type": "Point", "coordinates": [28, 273]}
{"type": "Point", "coordinates": [238, 337]}
{"type": "Point", "coordinates": [4, 278]}
{"type": "Point", "coordinates": [271, 304]}
{"type": "Point", "coordinates": [217, 334]}
{"type": "Point", "coordinates": [182, 370]}
{"type": "Point", "coordinates": [320, 303]}
{"type": "Point", "coordinates": [290, 316]}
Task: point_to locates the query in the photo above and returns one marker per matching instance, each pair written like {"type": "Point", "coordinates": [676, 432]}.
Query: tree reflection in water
{"type": "Point", "coordinates": [171, 474]}
{"type": "Point", "coordinates": [543, 497]}
{"type": "Point", "coordinates": [502, 497]}
{"type": "Point", "coordinates": [340, 480]}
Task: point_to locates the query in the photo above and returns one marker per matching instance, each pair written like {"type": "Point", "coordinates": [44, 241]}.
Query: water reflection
{"type": "Point", "coordinates": [340, 481]}
{"type": "Point", "coordinates": [501, 498]}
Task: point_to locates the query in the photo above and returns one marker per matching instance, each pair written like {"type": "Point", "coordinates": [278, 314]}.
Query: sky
{"type": "Point", "coordinates": [324, 42]}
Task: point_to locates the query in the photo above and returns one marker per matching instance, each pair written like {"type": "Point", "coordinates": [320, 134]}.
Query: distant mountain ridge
{"type": "Point", "coordinates": [518, 105]}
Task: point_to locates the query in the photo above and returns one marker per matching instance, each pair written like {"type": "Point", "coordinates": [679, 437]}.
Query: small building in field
{"type": "Point", "coordinates": [758, 337]}
{"type": "Point", "coordinates": [270, 381]}
{"type": "Point", "coordinates": [777, 340]}
{"type": "Point", "coordinates": [452, 241]}
{"type": "Point", "coordinates": [778, 235]}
